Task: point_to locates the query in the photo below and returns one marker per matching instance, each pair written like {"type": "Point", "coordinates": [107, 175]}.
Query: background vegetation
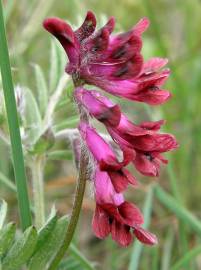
{"type": "Point", "coordinates": [175, 32]}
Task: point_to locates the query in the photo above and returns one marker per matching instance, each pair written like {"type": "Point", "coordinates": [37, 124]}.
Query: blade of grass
{"type": "Point", "coordinates": [10, 103]}
{"type": "Point", "coordinates": [7, 182]}
{"type": "Point", "coordinates": [137, 247]}
{"type": "Point", "coordinates": [80, 257]}
{"type": "Point", "coordinates": [182, 213]}
{"type": "Point", "coordinates": [167, 251]}
{"type": "Point", "coordinates": [187, 258]}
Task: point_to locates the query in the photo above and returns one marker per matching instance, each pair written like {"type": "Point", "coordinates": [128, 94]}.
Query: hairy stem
{"type": "Point", "coordinates": [37, 169]}
{"type": "Point", "coordinates": [76, 208]}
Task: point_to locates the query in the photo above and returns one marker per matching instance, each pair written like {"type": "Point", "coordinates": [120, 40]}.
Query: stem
{"type": "Point", "coordinates": [16, 145]}
{"type": "Point", "coordinates": [76, 209]}
{"type": "Point", "coordinates": [37, 167]}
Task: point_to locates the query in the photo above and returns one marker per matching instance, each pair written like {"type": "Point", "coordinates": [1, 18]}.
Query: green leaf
{"type": "Point", "coordinates": [3, 212]}
{"type": "Point", "coordinates": [60, 155]}
{"type": "Point", "coordinates": [42, 90]}
{"type": "Point", "coordinates": [32, 119]}
{"type": "Point", "coordinates": [71, 264]}
{"type": "Point", "coordinates": [7, 235]}
{"type": "Point", "coordinates": [80, 258]}
{"type": "Point", "coordinates": [44, 143]}
{"type": "Point", "coordinates": [54, 67]}
{"type": "Point", "coordinates": [21, 250]}
{"type": "Point", "coordinates": [45, 254]}
{"type": "Point", "coordinates": [45, 232]}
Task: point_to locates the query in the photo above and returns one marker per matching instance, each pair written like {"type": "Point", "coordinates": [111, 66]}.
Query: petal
{"type": "Point", "coordinates": [146, 166]}
{"type": "Point", "coordinates": [155, 142]}
{"type": "Point", "coordinates": [152, 126]}
{"type": "Point", "coordinates": [100, 150]}
{"type": "Point", "coordinates": [121, 234]}
{"type": "Point", "coordinates": [156, 97]}
{"type": "Point", "coordinates": [87, 28]}
{"type": "Point", "coordinates": [141, 26]}
{"type": "Point", "coordinates": [100, 223]}
{"type": "Point", "coordinates": [131, 214]}
{"type": "Point", "coordinates": [154, 64]}
{"type": "Point", "coordinates": [98, 106]}
{"type": "Point", "coordinates": [64, 33]}
{"type": "Point", "coordinates": [118, 71]}
{"type": "Point", "coordinates": [144, 236]}
{"type": "Point", "coordinates": [104, 189]}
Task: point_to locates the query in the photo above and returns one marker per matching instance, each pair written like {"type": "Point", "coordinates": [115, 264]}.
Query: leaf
{"type": "Point", "coordinates": [7, 237]}
{"type": "Point", "coordinates": [31, 119]}
{"type": "Point", "coordinates": [44, 143]}
{"type": "Point", "coordinates": [42, 90]}
{"type": "Point", "coordinates": [71, 264]}
{"type": "Point", "coordinates": [60, 155]}
{"type": "Point", "coordinates": [3, 212]}
{"type": "Point", "coordinates": [80, 258]}
{"type": "Point", "coordinates": [21, 250]}
{"type": "Point", "coordinates": [54, 67]}
{"type": "Point", "coordinates": [45, 232]}
{"type": "Point", "coordinates": [46, 252]}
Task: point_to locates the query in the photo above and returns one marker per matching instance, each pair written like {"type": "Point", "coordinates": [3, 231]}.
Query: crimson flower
{"type": "Point", "coordinates": [114, 63]}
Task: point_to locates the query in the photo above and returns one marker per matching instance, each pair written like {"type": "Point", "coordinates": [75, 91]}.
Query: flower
{"type": "Point", "coordinates": [111, 62]}
{"type": "Point", "coordinates": [116, 216]}
{"type": "Point", "coordinates": [114, 63]}
{"type": "Point", "coordinates": [144, 139]}
{"type": "Point", "coordinates": [106, 158]}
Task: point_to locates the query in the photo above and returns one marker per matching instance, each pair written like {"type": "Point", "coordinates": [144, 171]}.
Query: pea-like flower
{"type": "Point", "coordinates": [114, 63]}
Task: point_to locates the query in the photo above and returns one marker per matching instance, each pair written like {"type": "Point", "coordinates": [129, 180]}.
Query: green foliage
{"type": "Point", "coordinates": [7, 235]}
{"type": "Point", "coordinates": [21, 250]}
{"type": "Point", "coordinates": [45, 253]}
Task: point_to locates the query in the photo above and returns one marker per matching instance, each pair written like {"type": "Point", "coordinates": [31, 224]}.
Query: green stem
{"type": "Point", "coordinates": [16, 145]}
{"type": "Point", "coordinates": [76, 208]}
{"type": "Point", "coordinates": [37, 169]}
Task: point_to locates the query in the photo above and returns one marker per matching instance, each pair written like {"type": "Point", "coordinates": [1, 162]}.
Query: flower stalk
{"type": "Point", "coordinates": [79, 194]}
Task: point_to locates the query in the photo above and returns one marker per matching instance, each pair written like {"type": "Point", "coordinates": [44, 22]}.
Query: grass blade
{"type": "Point", "coordinates": [7, 182]}
{"type": "Point", "coordinates": [182, 213]}
{"type": "Point", "coordinates": [18, 161]}
{"type": "Point", "coordinates": [186, 258]}
{"type": "Point", "coordinates": [137, 247]}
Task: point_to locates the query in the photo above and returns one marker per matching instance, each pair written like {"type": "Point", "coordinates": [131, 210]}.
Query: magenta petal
{"type": "Point", "coordinates": [141, 26]}
{"type": "Point", "coordinates": [104, 190]}
{"type": "Point", "coordinates": [121, 234]}
{"type": "Point", "coordinates": [100, 223]}
{"type": "Point", "coordinates": [98, 106]}
{"type": "Point", "coordinates": [99, 148]}
{"type": "Point", "coordinates": [144, 236]}
{"type": "Point", "coordinates": [131, 214]}
{"type": "Point", "coordinates": [154, 65]}
{"type": "Point", "coordinates": [87, 28]}
{"type": "Point", "coordinates": [152, 97]}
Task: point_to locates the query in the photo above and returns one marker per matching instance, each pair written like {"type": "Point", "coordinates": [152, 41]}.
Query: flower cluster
{"type": "Point", "coordinates": [115, 64]}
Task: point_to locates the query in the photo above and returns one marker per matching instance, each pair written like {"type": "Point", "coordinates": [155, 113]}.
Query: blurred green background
{"type": "Point", "coordinates": [175, 33]}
